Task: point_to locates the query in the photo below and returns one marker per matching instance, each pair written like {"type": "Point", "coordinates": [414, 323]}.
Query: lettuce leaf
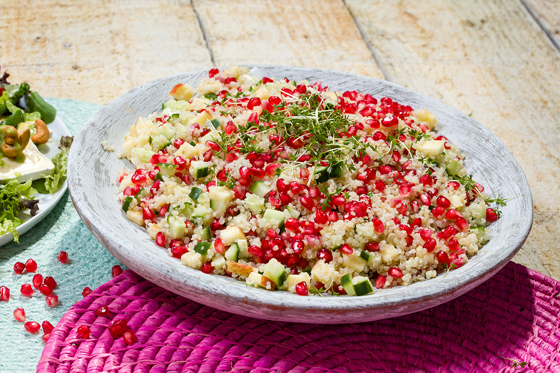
{"type": "Point", "coordinates": [54, 182]}
{"type": "Point", "coordinates": [15, 198]}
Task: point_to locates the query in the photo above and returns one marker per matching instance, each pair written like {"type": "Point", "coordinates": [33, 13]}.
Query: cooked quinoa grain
{"type": "Point", "coordinates": [290, 186]}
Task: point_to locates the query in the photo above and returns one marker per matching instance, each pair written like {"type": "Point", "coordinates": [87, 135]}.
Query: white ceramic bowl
{"type": "Point", "coordinates": [92, 182]}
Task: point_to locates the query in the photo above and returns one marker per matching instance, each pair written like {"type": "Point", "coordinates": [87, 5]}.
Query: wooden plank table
{"type": "Point", "coordinates": [496, 59]}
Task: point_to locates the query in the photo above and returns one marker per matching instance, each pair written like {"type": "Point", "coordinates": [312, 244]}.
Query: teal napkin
{"type": "Point", "coordinates": [89, 264]}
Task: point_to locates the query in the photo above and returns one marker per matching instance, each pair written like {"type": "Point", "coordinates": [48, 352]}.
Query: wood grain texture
{"type": "Point", "coordinates": [291, 32]}
{"type": "Point", "coordinates": [491, 59]}
{"type": "Point", "coordinates": [547, 13]}
{"type": "Point", "coordinates": [97, 50]}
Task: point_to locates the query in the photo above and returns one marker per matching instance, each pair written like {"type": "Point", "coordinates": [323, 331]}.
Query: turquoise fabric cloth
{"type": "Point", "coordinates": [89, 264]}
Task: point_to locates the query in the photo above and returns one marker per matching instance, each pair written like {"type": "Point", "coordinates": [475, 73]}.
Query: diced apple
{"type": "Point", "coordinates": [431, 147]}
{"type": "Point", "coordinates": [232, 233]}
{"type": "Point", "coordinates": [239, 269]}
{"type": "Point", "coordinates": [135, 216]}
{"type": "Point", "coordinates": [354, 262]}
{"type": "Point", "coordinates": [293, 280]}
{"type": "Point", "coordinates": [182, 92]}
{"type": "Point", "coordinates": [220, 194]}
{"type": "Point", "coordinates": [256, 279]}
{"type": "Point", "coordinates": [201, 118]}
{"type": "Point", "coordinates": [425, 116]}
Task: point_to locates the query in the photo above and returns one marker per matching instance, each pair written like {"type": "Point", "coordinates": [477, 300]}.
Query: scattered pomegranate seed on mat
{"type": "Point", "coordinates": [62, 257]}
{"type": "Point", "coordinates": [19, 267]}
{"type": "Point", "coordinates": [129, 337]}
{"type": "Point", "coordinates": [116, 270]}
{"type": "Point", "coordinates": [102, 311]}
{"type": "Point", "coordinates": [4, 293]}
{"type": "Point", "coordinates": [46, 337]}
{"type": "Point", "coordinates": [45, 289]}
{"type": "Point", "coordinates": [50, 282]}
{"type": "Point", "coordinates": [117, 327]}
{"type": "Point", "coordinates": [19, 314]}
{"type": "Point", "coordinates": [47, 327]}
{"type": "Point", "coordinates": [30, 265]}
{"type": "Point", "coordinates": [87, 291]}
{"type": "Point", "coordinates": [37, 280]}
{"type": "Point", "coordinates": [52, 300]}
{"type": "Point", "coordinates": [83, 331]}
{"type": "Point", "coordinates": [32, 326]}
{"type": "Point", "coordinates": [26, 290]}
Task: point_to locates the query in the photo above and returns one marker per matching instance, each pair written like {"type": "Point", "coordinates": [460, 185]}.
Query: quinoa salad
{"type": "Point", "coordinates": [291, 186]}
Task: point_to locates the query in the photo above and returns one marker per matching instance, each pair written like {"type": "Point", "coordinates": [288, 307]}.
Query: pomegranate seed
{"type": "Point", "coordinates": [47, 327]}
{"type": "Point", "coordinates": [307, 202]}
{"type": "Point", "coordinates": [452, 214]}
{"type": "Point", "coordinates": [416, 223]}
{"type": "Point", "coordinates": [425, 234]}
{"type": "Point", "coordinates": [380, 282]}
{"type": "Point", "coordinates": [321, 217]}
{"type": "Point", "coordinates": [19, 314]}
{"type": "Point", "coordinates": [479, 187]}
{"type": "Point", "coordinates": [160, 239]}
{"type": "Point", "coordinates": [443, 202]}
{"type": "Point", "coordinates": [457, 262]}
{"type": "Point", "coordinates": [301, 288]}
{"type": "Point", "coordinates": [346, 249]}
{"type": "Point", "coordinates": [426, 180]}
{"type": "Point", "coordinates": [102, 311]}
{"type": "Point", "coordinates": [116, 270]}
{"type": "Point", "coordinates": [62, 257]}
{"type": "Point", "coordinates": [433, 192]}
{"type": "Point", "coordinates": [19, 267]}
{"type": "Point", "coordinates": [254, 102]}
{"type": "Point", "coordinates": [214, 146]}
{"type": "Point", "coordinates": [380, 185]}
{"type": "Point", "coordinates": [333, 217]}
{"type": "Point", "coordinates": [37, 280]}
{"type": "Point", "coordinates": [453, 184]}
{"type": "Point", "coordinates": [325, 255]}
{"type": "Point", "coordinates": [372, 246]}
{"type": "Point", "coordinates": [239, 191]}
{"type": "Point", "coordinates": [26, 290]}
{"type": "Point", "coordinates": [338, 200]}
{"type": "Point", "coordinates": [32, 326]}
{"type": "Point", "coordinates": [30, 265]}
{"type": "Point", "coordinates": [83, 331]}
{"type": "Point", "coordinates": [449, 231]}
{"type": "Point", "coordinates": [285, 199]}
{"type": "Point", "coordinates": [296, 187]}
{"type": "Point", "coordinates": [213, 72]}
{"type": "Point", "coordinates": [207, 268]}
{"type": "Point", "coordinates": [4, 293]}
{"type": "Point", "coordinates": [453, 244]}
{"type": "Point", "coordinates": [378, 225]}
{"type": "Point", "coordinates": [405, 190]}
{"type": "Point", "coordinates": [462, 224]}
{"type": "Point", "coordinates": [395, 272]}
{"type": "Point", "coordinates": [117, 327]}
{"type": "Point", "coordinates": [491, 215]}
{"type": "Point", "coordinates": [129, 337]}
{"type": "Point", "coordinates": [438, 212]}
{"type": "Point", "coordinates": [177, 144]}
{"type": "Point", "coordinates": [425, 200]}
{"type": "Point", "coordinates": [298, 247]}
{"type": "Point", "coordinates": [52, 300]}
{"type": "Point", "coordinates": [148, 214]}
{"type": "Point", "coordinates": [87, 291]}
{"type": "Point", "coordinates": [45, 289]}
{"type": "Point", "coordinates": [178, 251]}
{"type": "Point", "coordinates": [255, 250]}
{"type": "Point", "coordinates": [46, 337]}
{"type": "Point", "coordinates": [292, 224]}
{"type": "Point", "coordinates": [430, 245]}
{"type": "Point", "coordinates": [442, 257]}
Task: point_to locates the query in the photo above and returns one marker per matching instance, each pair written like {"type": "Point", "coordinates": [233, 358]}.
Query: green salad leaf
{"type": "Point", "coordinates": [15, 198]}
{"type": "Point", "coordinates": [54, 182]}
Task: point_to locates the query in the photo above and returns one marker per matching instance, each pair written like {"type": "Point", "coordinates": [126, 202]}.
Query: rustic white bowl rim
{"type": "Point", "coordinates": [92, 172]}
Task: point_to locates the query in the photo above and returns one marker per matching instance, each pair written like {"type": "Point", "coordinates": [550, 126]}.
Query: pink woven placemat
{"type": "Point", "coordinates": [508, 324]}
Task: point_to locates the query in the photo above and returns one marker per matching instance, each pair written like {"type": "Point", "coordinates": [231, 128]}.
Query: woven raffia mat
{"type": "Point", "coordinates": [508, 324]}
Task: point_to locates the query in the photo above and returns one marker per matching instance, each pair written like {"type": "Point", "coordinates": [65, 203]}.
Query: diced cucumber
{"type": "Point", "coordinates": [167, 169]}
{"type": "Point", "coordinates": [174, 105]}
{"type": "Point", "coordinates": [274, 216]}
{"type": "Point", "coordinates": [365, 256]}
{"type": "Point", "coordinates": [218, 206]}
{"type": "Point", "coordinates": [200, 169]}
{"type": "Point", "coordinates": [274, 270]}
{"type": "Point", "coordinates": [232, 253]}
{"type": "Point", "coordinates": [201, 212]}
{"type": "Point", "coordinates": [181, 131]}
{"type": "Point", "coordinates": [243, 247]}
{"type": "Point", "coordinates": [362, 285]}
{"type": "Point", "coordinates": [193, 143]}
{"type": "Point", "coordinates": [127, 202]}
{"type": "Point", "coordinates": [454, 167]}
{"type": "Point", "coordinates": [195, 193]}
{"type": "Point", "coordinates": [206, 234]}
{"type": "Point", "coordinates": [260, 189]}
{"type": "Point", "coordinates": [159, 142]}
{"type": "Point", "coordinates": [323, 172]}
{"type": "Point", "coordinates": [335, 170]}
{"type": "Point", "coordinates": [202, 247]}
{"type": "Point", "coordinates": [177, 227]}
{"type": "Point", "coordinates": [215, 123]}
{"type": "Point", "coordinates": [293, 212]}
{"type": "Point", "coordinates": [167, 131]}
{"type": "Point", "coordinates": [218, 262]}
{"type": "Point", "coordinates": [143, 155]}
{"type": "Point", "coordinates": [254, 203]}
{"type": "Point", "coordinates": [346, 282]}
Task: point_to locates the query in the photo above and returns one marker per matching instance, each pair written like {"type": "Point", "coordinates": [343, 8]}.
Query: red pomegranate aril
{"type": "Point", "coordinates": [19, 267]}
{"type": "Point", "coordinates": [442, 257]}
{"type": "Point", "coordinates": [52, 300]}
{"type": "Point", "coordinates": [438, 212]}
{"type": "Point", "coordinates": [32, 327]}
{"type": "Point", "coordinates": [37, 280]}
{"type": "Point", "coordinates": [275, 202]}
{"type": "Point", "coordinates": [301, 288]}
{"type": "Point", "coordinates": [148, 214]}
{"type": "Point", "coordinates": [255, 250]}
{"type": "Point", "coordinates": [296, 187]}
{"type": "Point", "coordinates": [425, 234]}
{"type": "Point", "coordinates": [380, 185]}
{"type": "Point", "coordinates": [30, 265]}
{"type": "Point", "coordinates": [321, 217]}
{"type": "Point", "coordinates": [298, 246]}
{"type": "Point", "coordinates": [452, 214]}
{"type": "Point", "coordinates": [284, 199]}
{"type": "Point", "coordinates": [433, 192]}
{"type": "Point", "coordinates": [449, 231]}
{"type": "Point", "coordinates": [479, 187]}
{"type": "Point", "coordinates": [116, 270]}
{"type": "Point", "coordinates": [453, 244]}
{"type": "Point", "coordinates": [457, 263]}
{"type": "Point", "coordinates": [307, 202]}
{"type": "Point", "coordinates": [62, 257]}
{"type": "Point", "coordinates": [462, 224]}
{"type": "Point", "coordinates": [83, 331]}
{"type": "Point", "coordinates": [213, 72]}
{"type": "Point", "coordinates": [239, 191]}
{"type": "Point", "coordinates": [430, 245]}
{"type": "Point", "coordinates": [45, 289]}
{"type": "Point", "coordinates": [425, 200]}
{"type": "Point", "coordinates": [443, 202]}
{"type": "Point", "coordinates": [491, 215]}
{"type": "Point", "coordinates": [346, 249]}
{"type": "Point", "coordinates": [417, 222]}
{"type": "Point", "coordinates": [372, 246]}
{"type": "Point", "coordinates": [178, 251]}
{"type": "Point", "coordinates": [453, 184]}
{"type": "Point", "coordinates": [324, 254]}
{"type": "Point", "coordinates": [338, 200]}
{"type": "Point", "coordinates": [160, 239]}
{"type": "Point", "coordinates": [219, 246]}
{"type": "Point", "coordinates": [4, 293]}
{"type": "Point", "coordinates": [87, 291]}
{"type": "Point", "coordinates": [207, 268]}
{"type": "Point", "coordinates": [117, 328]}
{"type": "Point", "coordinates": [254, 102]}
{"type": "Point", "coordinates": [50, 282]}
{"type": "Point", "coordinates": [26, 290]}
{"type": "Point", "coordinates": [395, 272]}
{"type": "Point", "coordinates": [180, 162]}
{"type": "Point", "coordinates": [378, 225]}
{"type": "Point", "coordinates": [380, 282]}
{"type": "Point", "coordinates": [426, 180]}
{"type": "Point", "coordinates": [129, 337]}
{"type": "Point", "coordinates": [47, 327]}
{"type": "Point", "coordinates": [405, 190]}
{"type": "Point", "coordinates": [19, 314]}
{"type": "Point", "coordinates": [102, 311]}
